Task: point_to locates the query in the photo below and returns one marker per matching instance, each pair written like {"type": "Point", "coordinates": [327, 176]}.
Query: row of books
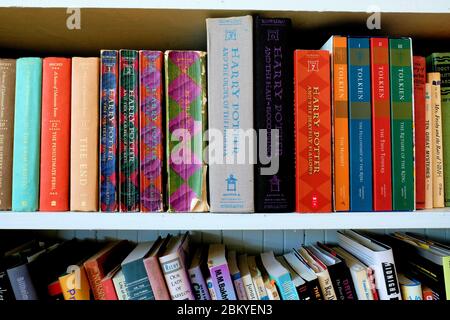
{"type": "Point", "coordinates": [360, 266]}
{"type": "Point", "coordinates": [368, 132]}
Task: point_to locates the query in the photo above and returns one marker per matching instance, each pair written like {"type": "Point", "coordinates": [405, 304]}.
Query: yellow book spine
{"type": "Point", "coordinates": [75, 285]}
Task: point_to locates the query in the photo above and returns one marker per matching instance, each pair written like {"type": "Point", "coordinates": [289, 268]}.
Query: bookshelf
{"type": "Point", "coordinates": [177, 24]}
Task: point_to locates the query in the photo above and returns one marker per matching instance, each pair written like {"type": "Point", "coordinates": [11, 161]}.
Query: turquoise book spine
{"type": "Point", "coordinates": [27, 133]}
{"type": "Point", "coordinates": [286, 287]}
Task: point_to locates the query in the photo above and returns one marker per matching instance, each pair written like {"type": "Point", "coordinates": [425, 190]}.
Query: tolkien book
{"type": "Point", "coordinates": [55, 135]}
{"type": "Point", "coordinates": [230, 100]}
{"type": "Point", "coordinates": [273, 65]}
{"type": "Point", "coordinates": [27, 129]}
{"type": "Point", "coordinates": [220, 273]}
{"type": "Point", "coordinates": [403, 193]}
{"type": "Point", "coordinates": [312, 131]}
{"type": "Point", "coordinates": [419, 128]}
{"type": "Point", "coordinates": [84, 135]}
{"type": "Point", "coordinates": [434, 78]}
{"type": "Point", "coordinates": [186, 125]}
{"type": "Point", "coordinates": [440, 62]}
{"type": "Point", "coordinates": [360, 125]}
{"type": "Point", "coordinates": [109, 99]}
{"type": "Point", "coordinates": [151, 130]}
{"type": "Point", "coordinates": [337, 46]}
{"type": "Point", "coordinates": [129, 131]}
{"type": "Point", "coordinates": [428, 148]}
{"type": "Point", "coordinates": [7, 97]}
{"type": "Point", "coordinates": [381, 124]}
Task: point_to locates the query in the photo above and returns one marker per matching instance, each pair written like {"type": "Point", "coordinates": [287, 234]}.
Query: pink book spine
{"type": "Point", "coordinates": [110, 291]}
{"type": "Point", "coordinates": [157, 281]}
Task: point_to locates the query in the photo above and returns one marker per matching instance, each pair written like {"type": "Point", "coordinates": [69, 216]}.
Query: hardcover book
{"type": "Point", "coordinates": [55, 135]}
{"type": "Point", "coordinates": [274, 191]}
{"type": "Point", "coordinates": [151, 130]}
{"type": "Point", "coordinates": [186, 125]}
{"type": "Point", "coordinates": [419, 128]}
{"type": "Point", "coordinates": [27, 129]}
{"type": "Point", "coordinates": [109, 99]}
{"type": "Point", "coordinates": [337, 46]}
{"type": "Point", "coordinates": [440, 62]}
{"type": "Point", "coordinates": [7, 100]}
{"type": "Point", "coordinates": [381, 124]}
{"type": "Point", "coordinates": [429, 114]}
{"type": "Point", "coordinates": [84, 135]}
{"type": "Point", "coordinates": [434, 78]}
{"type": "Point", "coordinates": [312, 131]}
{"type": "Point", "coordinates": [108, 284]}
{"type": "Point", "coordinates": [121, 286]}
{"type": "Point", "coordinates": [230, 99]}
{"type": "Point", "coordinates": [360, 125]}
{"type": "Point", "coordinates": [129, 131]}
{"type": "Point", "coordinates": [154, 272]}
{"type": "Point", "coordinates": [403, 197]}
{"type": "Point", "coordinates": [220, 273]}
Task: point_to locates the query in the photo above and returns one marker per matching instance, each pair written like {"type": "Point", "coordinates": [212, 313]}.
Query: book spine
{"type": "Point", "coordinates": [403, 197]}
{"type": "Point", "coordinates": [381, 126]}
{"type": "Point", "coordinates": [27, 129]}
{"type": "Point", "coordinates": [419, 128]}
{"type": "Point", "coordinates": [108, 288]}
{"type": "Point", "coordinates": [360, 131]}
{"type": "Point", "coordinates": [121, 286]}
{"type": "Point", "coordinates": [326, 285]}
{"type": "Point", "coordinates": [250, 289]}
{"type": "Point", "coordinates": [340, 124]}
{"type": "Point", "coordinates": [186, 125]}
{"type": "Point", "coordinates": [440, 62]}
{"type": "Point", "coordinates": [314, 290]}
{"type": "Point", "coordinates": [428, 148]}
{"type": "Point", "coordinates": [138, 284]}
{"type": "Point", "coordinates": [21, 283]}
{"type": "Point", "coordinates": [95, 275]}
{"type": "Point", "coordinates": [176, 276]}
{"type": "Point", "coordinates": [151, 130]}
{"type": "Point", "coordinates": [211, 290]}
{"type": "Point", "coordinates": [108, 130]}
{"type": "Point", "coordinates": [84, 135]}
{"type": "Point", "coordinates": [222, 283]}
{"type": "Point", "coordinates": [55, 135]}
{"type": "Point", "coordinates": [75, 286]}
{"type": "Point", "coordinates": [312, 131]}
{"type": "Point", "coordinates": [230, 94]}
{"type": "Point", "coordinates": [7, 91]}
{"type": "Point", "coordinates": [274, 189]}
{"type": "Point", "coordinates": [198, 283]}
{"type": "Point", "coordinates": [286, 287]}
{"type": "Point", "coordinates": [6, 293]}
{"type": "Point", "coordinates": [129, 131]}
{"type": "Point", "coordinates": [261, 292]}
{"type": "Point", "coordinates": [156, 279]}
{"type": "Point", "coordinates": [304, 293]}
{"type": "Point", "coordinates": [436, 140]}
{"type": "Point", "coordinates": [239, 286]}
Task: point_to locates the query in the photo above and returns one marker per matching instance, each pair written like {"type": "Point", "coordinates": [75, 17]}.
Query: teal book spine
{"type": "Point", "coordinates": [402, 144]}
{"type": "Point", "coordinates": [440, 62]}
{"type": "Point", "coordinates": [286, 287]}
{"type": "Point", "coordinates": [27, 133]}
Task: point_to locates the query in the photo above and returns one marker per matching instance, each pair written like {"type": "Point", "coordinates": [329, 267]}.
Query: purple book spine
{"type": "Point", "coordinates": [222, 283]}
{"type": "Point", "coordinates": [239, 286]}
{"type": "Point", "coordinates": [199, 284]}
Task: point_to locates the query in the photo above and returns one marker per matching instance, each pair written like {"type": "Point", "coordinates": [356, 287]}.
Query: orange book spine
{"type": "Point", "coordinates": [312, 131]}
{"type": "Point", "coordinates": [55, 135]}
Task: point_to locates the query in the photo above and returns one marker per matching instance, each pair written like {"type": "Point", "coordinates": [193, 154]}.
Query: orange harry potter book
{"type": "Point", "coordinates": [312, 131]}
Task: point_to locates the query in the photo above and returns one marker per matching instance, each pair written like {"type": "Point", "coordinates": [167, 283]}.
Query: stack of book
{"type": "Point", "coordinates": [361, 266]}
{"type": "Point", "coordinates": [359, 125]}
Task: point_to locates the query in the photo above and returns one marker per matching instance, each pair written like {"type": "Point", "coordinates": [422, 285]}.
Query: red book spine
{"type": "Point", "coordinates": [381, 124]}
{"type": "Point", "coordinates": [156, 278]}
{"type": "Point", "coordinates": [55, 135]}
{"type": "Point", "coordinates": [419, 126]}
{"type": "Point", "coordinates": [312, 131]}
{"type": "Point", "coordinates": [108, 288]}
{"type": "Point", "coordinates": [95, 276]}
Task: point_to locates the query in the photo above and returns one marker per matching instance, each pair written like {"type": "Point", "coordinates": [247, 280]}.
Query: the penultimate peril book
{"type": "Point", "coordinates": [230, 104]}
{"type": "Point", "coordinates": [312, 131]}
{"type": "Point", "coordinates": [273, 66]}
{"type": "Point", "coordinates": [360, 124]}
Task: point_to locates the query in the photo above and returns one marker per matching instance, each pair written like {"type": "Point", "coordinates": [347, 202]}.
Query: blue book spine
{"type": "Point", "coordinates": [138, 284]}
{"type": "Point", "coordinates": [286, 287]}
{"type": "Point", "coordinates": [360, 128]}
{"type": "Point", "coordinates": [27, 134]}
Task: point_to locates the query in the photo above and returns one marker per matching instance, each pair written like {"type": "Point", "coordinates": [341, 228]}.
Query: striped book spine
{"type": "Point", "coordinates": [129, 131]}
{"type": "Point", "coordinates": [108, 130]}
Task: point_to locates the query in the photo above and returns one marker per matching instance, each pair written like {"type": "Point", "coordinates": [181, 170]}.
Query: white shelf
{"type": "Point", "coordinates": [435, 219]}
{"type": "Point", "coordinates": [411, 6]}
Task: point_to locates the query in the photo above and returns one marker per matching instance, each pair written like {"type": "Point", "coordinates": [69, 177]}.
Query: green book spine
{"type": "Point", "coordinates": [440, 62]}
{"type": "Point", "coordinates": [401, 72]}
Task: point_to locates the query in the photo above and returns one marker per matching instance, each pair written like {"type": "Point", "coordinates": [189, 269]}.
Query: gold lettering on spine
{"type": "Point", "coordinates": [313, 110]}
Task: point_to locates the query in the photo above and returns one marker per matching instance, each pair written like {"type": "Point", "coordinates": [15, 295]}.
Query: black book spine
{"type": "Point", "coordinates": [274, 109]}
{"type": "Point", "coordinates": [314, 290]}
{"type": "Point", "coordinates": [342, 281]}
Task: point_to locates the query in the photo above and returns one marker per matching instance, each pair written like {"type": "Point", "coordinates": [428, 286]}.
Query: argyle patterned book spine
{"type": "Point", "coordinates": [186, 124]}
{"type": "Point", "coordinates": [312, 131]}
{"type": "Point", "coordinates": [109, 99]}
{"type": "Point", "coordinates": [129, 131]}
{"type": "Point", "coordinates": [151, 130]}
